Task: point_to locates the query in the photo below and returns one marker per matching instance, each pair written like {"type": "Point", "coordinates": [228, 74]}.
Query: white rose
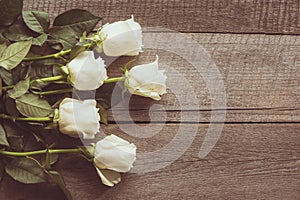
{"type": "Point", "coordinates": [122, 38]}
{"type": "Point", "coordinates": [86, 72]}
{"type": "Point", "coordinates": [146, 80]}
{"type": "Point", "coordinates": [114, 153]}
{"type": "Point", "coordinates": [79, 118]}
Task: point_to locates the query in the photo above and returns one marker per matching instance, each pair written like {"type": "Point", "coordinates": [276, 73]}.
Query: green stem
{"type": "Point", "coordinates": [61, 91]}
{"type": "Point", "coordinates": [55, 55]}
{"type": "Point", "coordinates": [41, 80]}
{"type": "Point", "coordinates": [28, 119]}
{"type": "Point", "coordinates": [44, 151]}
{"type": "Point", "coordinates": [56, 91]}
{"type": "Point", "coordinates": [49, 79]}
{"type": "Point", "coordinates": [114, 80]}
{"type": "Point", "coordinates": [60, 77]}
{"type": "Point", "coordinates": [4, 88]}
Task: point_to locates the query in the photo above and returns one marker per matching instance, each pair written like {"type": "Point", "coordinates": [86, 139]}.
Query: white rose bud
{"type": "Point", "coordinates": [78, 117]}
{"type": "Point", "coordinates": [146, 80]}
{"type": "Point", "coordinates": [122, 38]}
{"type": "Point", "coordinates": [86, 72]}
{"type": "Point", "coordinates": [114, 153]}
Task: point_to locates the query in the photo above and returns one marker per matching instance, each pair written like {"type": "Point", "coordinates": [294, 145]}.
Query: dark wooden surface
{"type": "Point", "coordinates": [256, 47]}
{"type": "Point", "coordinates": [235, 16]}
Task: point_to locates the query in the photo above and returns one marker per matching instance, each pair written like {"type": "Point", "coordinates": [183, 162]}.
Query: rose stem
{"type": "Point", "coordinates": [47, 79]}
{"type": "Point", "coordinates": [30, 119]}
{"type": "Point", "coordinates": [31, 153]}
{"type": "Point", "coordinates": [55, 55]}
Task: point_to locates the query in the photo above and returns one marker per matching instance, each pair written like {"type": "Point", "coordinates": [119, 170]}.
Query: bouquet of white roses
{"type": "Point", "coordinates": [41, 66]}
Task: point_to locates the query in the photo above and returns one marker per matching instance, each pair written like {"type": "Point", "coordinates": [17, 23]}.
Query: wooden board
{"type": "Point", "coordinates": [234, 16]}
{"type": "Point", "coordinates": [249, 161]}
{"type": "Point", "coordinates": [257, 155]}
{"type": "Point", "coordinates": [282, 115]}
{"type": "Point", "coordinates": [260, 73]}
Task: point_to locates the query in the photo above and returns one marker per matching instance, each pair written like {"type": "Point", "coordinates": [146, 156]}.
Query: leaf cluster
{"type": "Point", "coordinates": [25, 35]}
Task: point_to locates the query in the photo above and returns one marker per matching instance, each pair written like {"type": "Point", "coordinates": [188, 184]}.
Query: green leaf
{"type": "Point", "coordinates": [41, 135]}
{"type": "Point", "coordinates": [6, 76]}
{"type": "Point", "coordinates": [17, 32]}
{"type": "Point", "coordinates": [10, 106]}
{"type": "Point", "coordinates": [16, 142]}
{"type": "Point", "coordinates": [9, 11]}
{"type": "Point", "coordinates": [2, 48]}
{"type": "Point", "coordinates": [2, 38]}
{"type": "Point", "coordinates": [14, 136]}
{"type": "Point", "coordinates": [59, 181]}
{"type": "Point", "coordinates": [1, 106]}
{"type": "Point", "coordinates": [19, 73]}
{"type": "Point", "coordinates": [25, 170]}
{"type": "Point", "coordinates": [2, 166]}
{"type": "Point", "coordinates": [49, 159]}
{"type": "Point", "coordinates": [77, 17]}
{"type": "Point", "coordinates": [14, 54]}
{"type": "Point", "coordinates": [40, 40]}
{"type": "Point", "coordinates": [42, 68]}
{"type": "Point", "coordinates": [1, 88]}
{"type": "Point", "coordinates": [11, 77]}
{"type": "Point", "coordinates": [37, 21]}
{"type": "Point", "coordinates": [75, 51]}
{"type": "Point", "coordinates": [62, 38]}
{"type": "Point", "coordinates": [31, 105]}
{"type": "Point", "coordinates": [3, 139]}
{"type": "Point", "coordinates": [20, 88]}
{"type": "Point", "coordinates": [103, 113]}
{"type": "Point", "coordinates": [69, 26]}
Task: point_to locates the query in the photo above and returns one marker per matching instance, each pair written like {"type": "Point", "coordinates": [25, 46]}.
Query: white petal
{"type": "Point", "coordinates": [160, 78]}
{"type": "Point", "coordinates": [122, 38]}
{"type": "Point", "coordinates": [144, 73]}
{"type": "Point", "coordinates": [86, 72]}
{"type": "Point", "coordinates": [79, 118]}
{"type": "Point", "coordinates": [115, 153]}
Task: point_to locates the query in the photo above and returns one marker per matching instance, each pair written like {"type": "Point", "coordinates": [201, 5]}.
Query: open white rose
{"type": "Point", "coordinates": [114, 153]}
{"type": "Point", "coordinates": [146, 80]}
{"type": "Point", "coordinates": [79, 118]}
{"type": "Point", "coordinates": [122, 38]}
{"type": "Point", "coordinates": [86, 72]}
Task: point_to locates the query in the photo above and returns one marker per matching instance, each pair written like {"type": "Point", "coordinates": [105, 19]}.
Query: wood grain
{"type": "Point", "coordinates": [257, 155]}
{"type": "Point", "coordinates": [255, 161]}
{"type": "Point", "coordinates": [261, 75]}
{"type": "Point", "coordinates": [258, 71]}
{"type": "Point", "coordinates": [234, 16]}
{"type": "Point", "coordinates": [272, 115]}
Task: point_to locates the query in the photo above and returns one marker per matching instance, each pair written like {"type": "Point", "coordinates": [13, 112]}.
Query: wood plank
{"type": "Point", "coordinates": [235, 16]}
{"type": "Point", "coordinates": [258, 71]}
{"type": "Point", "coordinates": [255, 161]}
{"type": "Point", "coordinates": [254, 158]}
{"type": "Point", "coordinates": [261, 76]}
{"type": "Point", "coordinates": [271, 115]}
